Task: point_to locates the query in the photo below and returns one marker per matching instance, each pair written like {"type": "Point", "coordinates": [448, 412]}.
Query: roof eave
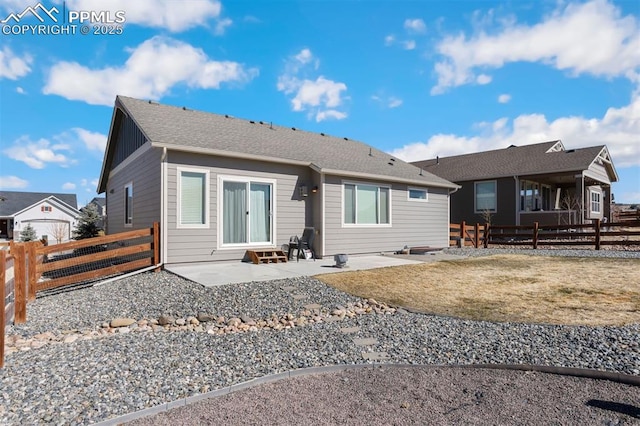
{"type": "Point", "coordinates": [387, 178]}
{"type": "Point", "coordinates": [230, 154]}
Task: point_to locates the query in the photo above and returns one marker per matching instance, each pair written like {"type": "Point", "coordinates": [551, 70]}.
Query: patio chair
{"type": "Point", "coordinates": [303, 244]}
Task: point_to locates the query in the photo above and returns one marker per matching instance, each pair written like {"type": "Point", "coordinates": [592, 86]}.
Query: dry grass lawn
{"type": "Point", "coordinates": [533, 289]}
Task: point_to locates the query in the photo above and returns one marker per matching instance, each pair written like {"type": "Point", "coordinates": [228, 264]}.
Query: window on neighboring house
{"type": "Point", "coordinates": [46, 209]}
{"type": "Point", "coordinates": [193, 199]}
{"type": "Point", "coordinates": [128, 204]}
{"type": "Point", "coordinates": [366, 204]}
{"type": "Point", "coordinates": [485, 196]}
{"type": "Point", "coordinates": [595, 202]}
{"type": "Point", "coordinates": [418, 194]}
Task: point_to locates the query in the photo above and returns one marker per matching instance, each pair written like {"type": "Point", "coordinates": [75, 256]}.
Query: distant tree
{"type": "Point", "coordinates": [87, 226]}
{"type": "Point", "coordinates": [59, 230]}
{"type": "Point", "coordinates": [28, 234]}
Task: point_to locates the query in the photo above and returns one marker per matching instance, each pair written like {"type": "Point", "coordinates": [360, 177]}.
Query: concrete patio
{"type": "Point", "coordinates": [212, 274]}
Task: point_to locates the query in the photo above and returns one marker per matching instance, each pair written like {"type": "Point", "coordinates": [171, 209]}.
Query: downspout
{"type": "Point", "coordinates": [517, 185]}
{"type": "Point", "coordinates": [163, 202]}
{"type": "Point", "coordinates": [582, 198]}
{"type": "Point", "coordinates": [449, 192]}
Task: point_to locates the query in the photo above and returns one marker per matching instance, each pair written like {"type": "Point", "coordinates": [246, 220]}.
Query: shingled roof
{"type": "Point", "coordinates": [15, 201]}
{"type": "Point", "coordinates": [527, 160]}
{"type": "Point", "coordinates": [196, 131]}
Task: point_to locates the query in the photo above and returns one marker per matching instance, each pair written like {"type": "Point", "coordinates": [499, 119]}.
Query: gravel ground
{"type": "Point", "coordinates": [92, 380]}
{"type": "Point", "coordinates": [417, 396]}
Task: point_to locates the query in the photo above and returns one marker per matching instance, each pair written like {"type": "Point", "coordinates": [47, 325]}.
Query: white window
{"type": "Point", "coordinates": [485, 196]}
{"type": "Point", "coordinates": [246, 210]}
{"type": "Point", "coordinates": [193, 198]}
{"type": "Point", "coordinates": [595, 202]}
{"type": "Point", "coordinates": [128, 204]}
{"type": "Point", "coordinates": [366, 204]}
{"type": "Point", "coordinates": [418, 194]}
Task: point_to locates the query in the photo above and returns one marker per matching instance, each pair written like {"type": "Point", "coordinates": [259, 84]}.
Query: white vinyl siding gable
{"type": "Point", "coordinates": [193, 198]}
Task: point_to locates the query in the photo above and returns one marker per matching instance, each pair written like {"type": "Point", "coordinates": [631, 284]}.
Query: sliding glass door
{"type": "Point", "coordinates": [247, 212]}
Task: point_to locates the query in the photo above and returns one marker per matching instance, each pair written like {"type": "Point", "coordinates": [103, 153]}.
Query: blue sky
{"type": "Point", "coordinates": [414, 78]}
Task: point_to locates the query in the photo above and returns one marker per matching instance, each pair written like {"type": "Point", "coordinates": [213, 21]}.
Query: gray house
{"type": "Point", "coordinates": [520, 185]}
{"type": "Point", "coordinates": [221, 185]}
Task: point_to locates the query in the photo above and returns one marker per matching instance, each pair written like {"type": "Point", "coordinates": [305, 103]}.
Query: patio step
{"type": "Point", "coordinates": [266, 256]}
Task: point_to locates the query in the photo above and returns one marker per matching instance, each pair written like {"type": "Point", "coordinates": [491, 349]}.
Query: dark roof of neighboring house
{"type": "Point", "coordinates": [100, 201]}
{"type": "Point", "coordinates": [15, 201]}
{"type": "Point", "coordinates": [512, 161]}
{"type": "Point", "coordinates": [203, 132]}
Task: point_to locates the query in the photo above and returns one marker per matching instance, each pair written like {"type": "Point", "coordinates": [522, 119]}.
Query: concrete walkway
{"type": "Point", "coordinates": [212, 274]}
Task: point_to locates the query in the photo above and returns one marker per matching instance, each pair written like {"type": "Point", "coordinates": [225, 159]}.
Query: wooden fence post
{"type": "Point", "coordinates": [20, 281]}
{"type": "Point", "coordinates": [476, 235]}
{"type": "Point", "coordinates": [597, 225]}
{"type": "Point", "coordinates": [486, 235]}
{"type": "Point", "coordinates": [463, 234]}
{"type": "Point", "coordinates": [535, 234]}
{"type": "Point", "coordinates": [3, 297]}
{"type": "Point", "coordinates": [31, 265]}
{"type": "Point", "coordinates": [156, 244]}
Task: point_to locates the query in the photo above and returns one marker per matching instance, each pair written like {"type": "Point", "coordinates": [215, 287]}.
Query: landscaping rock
{"type": "Point", "coordinates": [121, 322]}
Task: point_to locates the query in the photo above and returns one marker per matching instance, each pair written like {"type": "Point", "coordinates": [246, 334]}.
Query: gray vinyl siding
{"type": "Point", "coordinates": [316, 213]}
{"type": "Point", "coordinates": [200, 245]}
{"type": "Point", "coordinates": [413, 223]}
{"type": "Point", "coordinates": [144, 173]}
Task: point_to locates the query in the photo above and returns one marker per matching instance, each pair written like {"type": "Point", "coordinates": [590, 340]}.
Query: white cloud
{"type": "Point", "coordinates": [20, 90]}
{"type": "Point", "coordinates": [415, 25]}
{"type": "Point", "coordinates": [483, 79]}
{"type": "Point", "coordinates": [394, 102]}
{"type": "Point", "coordinates": [618, 128]}
{"type": "Point", "coordinates": [93, 141]}
{"type": "Point", "coordinates": [389, 40]}
{"type": "Point", "coordinates": [222, 25]}
{"type": "Point", "coordinates": [504, 98]}
{"type": "Point", "coordinates": [12, 66]}
{"type": "Point", "coordinates": [581, 38]}
{"type": "Point", "coordinates": [409, 45]}
{"type": "Point", "coordinates": [12, 182]}
{"type": "Point", "coordinates": [153, 68]}
{"type": "Point", "coordinates": [68, 186]}
{"type": "Point", "coordinates": [173, 15]}
{"type": "Point", "coordinates": [319, 96]}
{"type": "Point", "coordinates": [330, 114]}
{"type": "Point", "coordinates": [321, 92]}
{"type": "Point", "coordinates": [37, 154]}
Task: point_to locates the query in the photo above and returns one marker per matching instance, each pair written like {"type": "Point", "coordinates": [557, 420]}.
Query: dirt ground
{"type": "Point", "coordinates": [422, 395]}
{"type": "Point", "coordinates": [508, 288]}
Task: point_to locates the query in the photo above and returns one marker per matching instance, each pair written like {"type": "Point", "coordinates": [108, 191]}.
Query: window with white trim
{"type": "Point", "coordinates": [486, 199]}
{"type": "Point", "coordinates": [128, 204]}
{"type": "Point", "coordinates": [416, 194]}
{"type": "Point", "coordinates": [596, 198]}
{"type": "Point", "coordinates": [193, 198]}
{"type": "Point", "coordinates": [366, 204]}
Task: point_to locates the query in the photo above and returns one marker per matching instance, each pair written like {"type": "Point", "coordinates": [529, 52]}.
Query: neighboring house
{"type": "Point", "coordinates": [53, 216]}
{"type": "Point", "coordinates": [221, 185]}
{"type": "Point", "coordinates": [100, 204]}
{"type": "Point", "coordinates": [520, 185]}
